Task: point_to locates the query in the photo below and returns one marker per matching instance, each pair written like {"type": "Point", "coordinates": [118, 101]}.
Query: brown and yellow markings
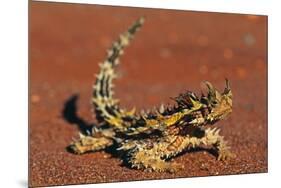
{"type": "Point", "coordinates": [175, 144]}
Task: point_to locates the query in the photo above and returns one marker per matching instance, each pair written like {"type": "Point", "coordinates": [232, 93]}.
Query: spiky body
{"type": "Point", "coordinates": [149, 139]}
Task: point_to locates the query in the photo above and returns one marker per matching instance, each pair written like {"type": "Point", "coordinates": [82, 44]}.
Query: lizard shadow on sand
{"type": "Point", "coordinates": [70, 115]}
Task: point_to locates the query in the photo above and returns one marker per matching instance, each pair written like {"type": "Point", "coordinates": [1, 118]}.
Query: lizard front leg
{"type": "Point", "coordinates": [96, 141]}
{"type": "Point", "coordinates": [89, 143]}
{"type": "Point", "coordinates": [150, 155]}
{"type": "Point", "coordinates": [212, 138]}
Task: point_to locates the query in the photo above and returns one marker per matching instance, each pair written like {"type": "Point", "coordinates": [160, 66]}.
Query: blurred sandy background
{"type": "Point", "coordinates": [174, 51]}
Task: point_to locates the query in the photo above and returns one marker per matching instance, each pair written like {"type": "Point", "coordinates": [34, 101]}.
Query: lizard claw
{"type": "Point", "coordinates": [225, 155]}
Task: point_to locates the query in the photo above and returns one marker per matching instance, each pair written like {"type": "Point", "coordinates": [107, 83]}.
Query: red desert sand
{"type": "Point", "coordinates": [173, 52]}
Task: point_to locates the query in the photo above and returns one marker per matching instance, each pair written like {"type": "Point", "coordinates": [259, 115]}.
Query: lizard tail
{"type": "Point", "coordinates": [106, 107]}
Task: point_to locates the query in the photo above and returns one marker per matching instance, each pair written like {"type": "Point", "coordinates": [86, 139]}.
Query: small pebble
{"type": "Point", "coordinates": [249, 39]}
{"type": "Point", "coordinates": [165, 53]}
{"type": "Point", "coordinates": [241, 72]}
{"type": "Point", "coordinates": [227, 53]}
{"type": "Point", "coordinates": [106, 156]}
{"type": "Point", "coordinates": [35, 98]}
{"type": "Point", "coordinates": [252, 17]}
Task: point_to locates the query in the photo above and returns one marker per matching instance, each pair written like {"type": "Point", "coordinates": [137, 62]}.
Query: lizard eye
{"type": "Point", "coordinates": [215, 102]}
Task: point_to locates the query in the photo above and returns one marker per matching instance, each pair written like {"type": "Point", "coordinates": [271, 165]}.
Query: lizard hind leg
{"type": "Point", "coordinates": [212, 138]}
{"type": "Point", "coordinates": [88, 143]}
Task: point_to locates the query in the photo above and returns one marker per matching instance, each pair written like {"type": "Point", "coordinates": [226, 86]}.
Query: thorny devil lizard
{"type": "Point", "coordinates": [149, 140]}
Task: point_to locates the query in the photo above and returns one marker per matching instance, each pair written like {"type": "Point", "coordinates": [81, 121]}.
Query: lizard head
{"type": "Point", "coordinates": [206, 109]}
{"type": "Point", "coordinates": [220, 104]}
